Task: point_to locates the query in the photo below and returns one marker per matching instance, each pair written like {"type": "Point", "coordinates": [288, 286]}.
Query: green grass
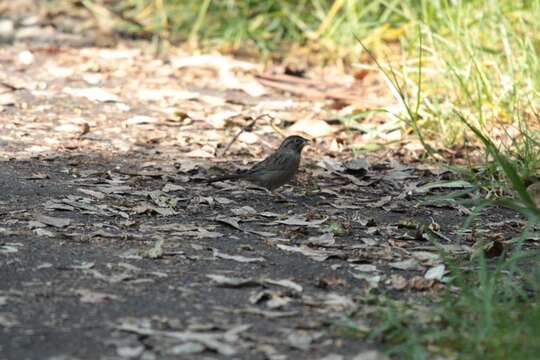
{"type": "Point", "coordinates": [486, 312]}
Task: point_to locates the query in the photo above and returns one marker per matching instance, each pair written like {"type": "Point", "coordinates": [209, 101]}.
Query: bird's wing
{"type": "Point", "coordinates": [274, 162]}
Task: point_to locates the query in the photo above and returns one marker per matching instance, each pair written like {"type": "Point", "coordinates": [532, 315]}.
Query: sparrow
{"type": "Point", "coordinates": [277, 169]}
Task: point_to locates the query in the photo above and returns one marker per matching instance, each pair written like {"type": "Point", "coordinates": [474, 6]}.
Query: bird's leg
{"type": "Point", "coordinates": [279, 196]}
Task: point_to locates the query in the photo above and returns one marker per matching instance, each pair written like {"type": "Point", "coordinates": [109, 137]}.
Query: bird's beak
{"type": "Point", "coordinates": [307, 142]}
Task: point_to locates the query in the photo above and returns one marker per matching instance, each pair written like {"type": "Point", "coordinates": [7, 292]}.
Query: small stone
{"type": "Point", "coordinates": [7, 31]}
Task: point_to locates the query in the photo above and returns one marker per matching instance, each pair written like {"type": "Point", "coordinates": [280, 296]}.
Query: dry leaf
{"type": "Point", "coordinates": [93, 94]}
{"type": "Point", "coordinates": [435, 273]}
{"type": "Point", "coordinates": [409, 264]}
{"type": "Point", "coordinates": [53, 221]}
{"type": "Point", "coordinates": [398, 282]}
{"type": "Point", "coordinates": [421, 283]}
{"type": "Point", "coordinates": [300, 340]}
{"type": "Point", "coordinates": [228, 281]}
{"type": "Point", "coordinates": [326, 239]}
{"type": "Point", "coordinates": [301, 221]}
{"type": "Point", "coordinates": [272, 299]}
{"type": "Point", "coordinates": [285, 283]}
{"type": "Point", "coordinates": [92, 297]}
{"type": "Point", "coordinates": [312, 127]}
{"type": "Point", "coordinates": [238, 258]}
{"type": "Point", "coordinates": [244, 211]}
{"type": "Point", "coordinates": [317, 255]}
{"type": "Point", "coordinates": [214, 341]}
{"type": "Point", "coordinates": [156, 252]}
{"type": "Point", "coordinates": [141, 119]}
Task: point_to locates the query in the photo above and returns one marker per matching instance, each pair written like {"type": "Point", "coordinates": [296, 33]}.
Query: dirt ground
{"type": "Point", "coordinates": [112, 246]}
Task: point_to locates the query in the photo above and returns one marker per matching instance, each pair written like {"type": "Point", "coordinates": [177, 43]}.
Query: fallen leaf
{"type": "Point", "coordinates": [312, 127]}
{"type": "Point", "coordinates": [43, 232]}
{"type": "Point", "coordinates": [456, 184]}
{"type": "Point", "coordinates": [113, 279]}
{"type": "Point", "coordinates": [338, 302]}
{"type": "Point", "coordinates": [53, 221]}
{"type": "Point", "coordinates": [92, 297]}
{"type": "Point", "coordinates": [372, 280]}
{"type": "Point", "coordinates": [93, 94]}
{"type": "Point", "coordinates": [149, 208]}
{"type": "Point", "coordinates": [156, 252]}
{"type": "Point", "coordinates": [357, 167]}
{"type": "Point", "coordinates": [244, 211]}
{"type": "Point", "coordinates": [381, 202]}
{"type": "Point", "coordinates": [272, 299]}
{"type": "Point", "coordinates": [140, 120]}
{"type": "Point", "coordinates": [326, 239]}
{"type": "Point", "coordinates": [409, 264]}
{"type": "Point", "coordinates": [44, 266]}
{"type": "Point", "coordinates": [217, 120]}
{"type": "Point", "coordinates": [284, 283]}
{"type": "Point", "coordinates": [270, 314]}
{"type": "Point", "coordinates": [170, 187]}
{"type": "Point", "coordinates": [421, 283]}
{"type": "Point", "coordinates": [315, 254]}
{"type": "Point", "coordinates": [300, 340]}
{"type": "Point", "coordinates": [186, 348]}
{"type": "Point", "coordinates": [398, 282]}
{"type": "Point", "coordinates": [130, 352]}
{"type": "Point", "coordinates": [8, 99]}
{"type": "Point", "coordinates": [96, 194]}
{"type": "Point", "coordinates": [365, 267]}
{"type": "Point", "coordinates": [301, 221]}
{"type": "Point", "coordinates": [228, 281]}
{"type": "Point", "coordinates": [213, 341]}
{"type": "Point", "coordinates": [231, 221]}
{"type": "Point", "coordinates": [199, 153]}
{"type": "Point", "coordinates": [85, 265]}
{"type": "Point", "coordinates": [329, 282]}
{"type": "Point", "coordinates": [160, 94]}
{"type": "Point", "coordinates": [238, 258]}
{"type": "Point", "coordinates": [435, 273]}
{"type": "Point", "coordinates": [331, 164]}
{"type": "Point", "coordinates": [426, 257]}
{"type": "Point", "coordinates": [8, 320]}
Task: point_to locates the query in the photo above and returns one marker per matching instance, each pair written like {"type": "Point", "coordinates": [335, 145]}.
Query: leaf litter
{"type": "Point", "coordinates": [113, 185]}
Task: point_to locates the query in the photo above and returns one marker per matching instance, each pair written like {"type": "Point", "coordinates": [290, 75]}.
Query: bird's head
{"type": "Point", "coordinates": [295, 143]}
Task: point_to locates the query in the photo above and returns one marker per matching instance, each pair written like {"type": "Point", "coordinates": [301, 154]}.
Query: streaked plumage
{"type": "Point", "coordinates": [277, 169]}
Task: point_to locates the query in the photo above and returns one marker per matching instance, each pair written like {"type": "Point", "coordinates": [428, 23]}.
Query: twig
{"type": "Point", "coordinates": [440, 235]}
{"type": "Point", "coordinates": [248, 127]}
{"type": "Point", "coordinates": [276, 129]}
{"type": "Point", "coordinates": [9, 86]}
{"type": "Point", "coordinates": [103, 10]}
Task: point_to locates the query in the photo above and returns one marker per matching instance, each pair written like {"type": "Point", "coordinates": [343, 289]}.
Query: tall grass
{"type": "Point", "coordinates": [491, 308]}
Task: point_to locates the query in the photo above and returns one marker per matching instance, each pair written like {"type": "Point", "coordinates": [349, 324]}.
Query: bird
{"type": "Point", "coordinates": [275, 170]}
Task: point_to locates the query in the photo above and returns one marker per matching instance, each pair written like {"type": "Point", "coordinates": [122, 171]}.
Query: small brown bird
{"type": "Point", "coordinates": [277, 169]}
